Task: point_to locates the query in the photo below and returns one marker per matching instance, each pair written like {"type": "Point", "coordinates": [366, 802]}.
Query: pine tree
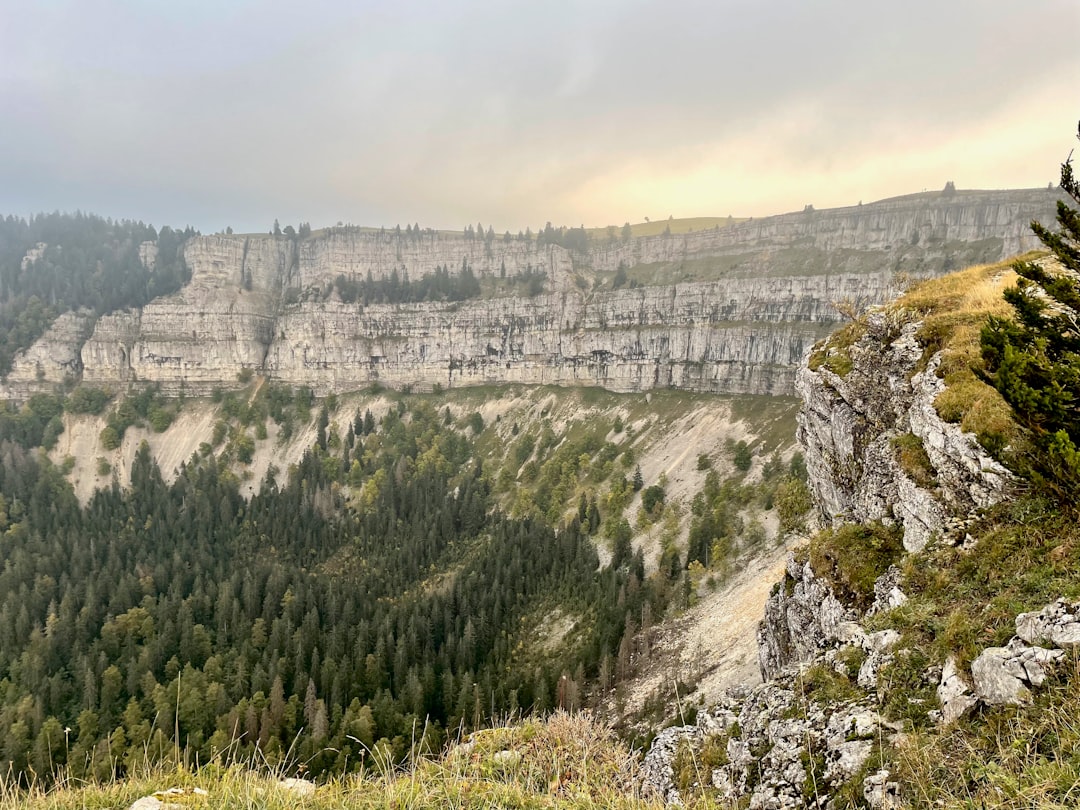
{"type": "Point", "coordinates": [1034, 361]}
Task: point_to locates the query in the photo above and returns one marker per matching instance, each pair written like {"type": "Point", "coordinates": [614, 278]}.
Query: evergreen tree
{"type": "Point", "coordinates": [1034, 361]}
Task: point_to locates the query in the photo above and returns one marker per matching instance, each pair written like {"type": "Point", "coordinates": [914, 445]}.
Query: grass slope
{"type": "Point", "coordinates": [565, 761]}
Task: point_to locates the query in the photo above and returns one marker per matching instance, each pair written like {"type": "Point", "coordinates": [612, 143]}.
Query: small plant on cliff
{"type": "Point", "coordinates": [1034, 361]}
{"type": "Point", "coordinates": [853, 556]}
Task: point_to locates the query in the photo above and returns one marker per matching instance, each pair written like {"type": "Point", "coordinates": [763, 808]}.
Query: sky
{"type": "Point", "coordinates": [216, 113]}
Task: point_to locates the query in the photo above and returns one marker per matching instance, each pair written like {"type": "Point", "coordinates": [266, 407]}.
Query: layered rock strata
{"type": "Point", "coordinates": [54, 358]}
{"type": "Point", "coordinates": [755, 296]}
{"type": "Point", "coordinates": [930, 223]}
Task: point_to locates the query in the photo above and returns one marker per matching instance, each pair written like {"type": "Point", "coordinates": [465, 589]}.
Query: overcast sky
{"type": "Point", "coordinates": [215, 113]}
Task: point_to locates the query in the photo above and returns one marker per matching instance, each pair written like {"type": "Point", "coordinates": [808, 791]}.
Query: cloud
{"type": "Point", "coordinates": [515, 113]}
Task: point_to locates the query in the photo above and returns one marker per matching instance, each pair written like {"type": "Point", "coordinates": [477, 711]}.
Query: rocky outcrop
{"type": "Point", "coordinates": [1057, 624]}
{"type": "Point", "coordinates": [953, 693]}
{"type": "Point", "coordinates": [1006, 675]}
{"type": "Point", "coordinates": [749, 301]}
{"type": "Point", "coordinates": [783, 747]}
{"type": "Point", "coordinates": [855, 426]}
{"type": "Point", "coordinates": [52, 359]}
{"type": "Point", "coordinates": [802, 617]}
{"type": "Point", "coordinates": [777, 749]}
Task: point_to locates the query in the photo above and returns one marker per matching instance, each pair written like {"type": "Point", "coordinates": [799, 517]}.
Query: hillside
{"type": "Point", "coordinates": [318, 572]}
{"type": "Point", "coordinates": [919, 651]}
{"type": "Point", "coordinates": [329, 585]}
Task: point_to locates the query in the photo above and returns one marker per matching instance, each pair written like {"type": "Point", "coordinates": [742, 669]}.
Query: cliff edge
{"type": "Point", "coordinates": [923, 634]}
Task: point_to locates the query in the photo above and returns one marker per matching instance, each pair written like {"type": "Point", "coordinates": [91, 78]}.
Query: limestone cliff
{"type": "Point", "coordinates": [855, 426]}
{"type": "Point", "coordinates": [917, 226]}
{"type": "Point", "coordinates": [728, 310]}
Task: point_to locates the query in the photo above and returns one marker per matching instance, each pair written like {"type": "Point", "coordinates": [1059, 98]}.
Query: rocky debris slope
{"type": "Point", "coordinates": [268, 304]}
{"type": "Point", "coordinates": [856, 424]}
{"type": "Point", "coordinates": [816, 727]}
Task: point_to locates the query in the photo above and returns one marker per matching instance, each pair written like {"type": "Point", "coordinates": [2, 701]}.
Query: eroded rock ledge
{"type": "Point", "coordinates": [816, 728]}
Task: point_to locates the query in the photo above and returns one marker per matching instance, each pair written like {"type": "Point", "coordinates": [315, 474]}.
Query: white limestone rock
{"type": "Point", "coordinates": [802, 617]}
{"type": "Point", "coordinates": [1057, 624]}
{"type": "Point", "coordinates": [657, 770]}
{"type": "Point", "coordinates": [300, 788]}
{"type": "Point", "coordinates": [848, 425]}
{"type": "Point", "coordinates": [1003, 675]}
{"type": "Point", "coordinates": [953, 693]}
{"type": "Point", "coordinates": [54, 357]}
{"type": "Point", "coordinates": [887, 592]}
{"type": "Point", "coordinates": [880, 793]}
{"type": "Point", "coordinates": [174, 798]}
{"type": "Point", "coordinates": [268, 304]}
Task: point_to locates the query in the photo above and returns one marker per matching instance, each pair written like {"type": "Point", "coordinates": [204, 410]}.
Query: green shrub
{"type": "Point", "coordinates": [110, 438]}
{"type": "Point", "coordinates": [1034, 361]}
{"type": "Point", "coordinates": [851, 557]}
{"type": "Point", "coordinates": [87, 399]}
{"type": "Point", "coordinates": [652, 499]}
{"type": "Point", "coordinates": [743, 457]}
{"type": "Point", "coordinates": [160, 419]}
{"type": "Point", "coordinates": [792, 501]}
{"type": "Point", "coordinates": [53, 428]}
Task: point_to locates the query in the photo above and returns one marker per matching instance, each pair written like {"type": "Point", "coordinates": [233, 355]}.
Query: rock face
{"type": "Point", "coordinates": [854, 426]}
{"type": "Point", "coordinates": [51, 359]}
{"type": "Point", "coordinates": [1006, 675]}
{"type": "Point", "coordinates": [780, 749]}
{"type": "Point", "coordinates": [802, 617]}
{"type": "Point", "coordinates": [928, 222]}
{"type": "Point", "coordinates": [748, 302]}
{"type": "Point", "coordinates": [815, 725]}
{"type": "Point", "coordinates": [785, 748]}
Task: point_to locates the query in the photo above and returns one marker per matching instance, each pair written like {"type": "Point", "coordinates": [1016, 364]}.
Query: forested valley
{"type": "Point", "coordinates": [313, 624]}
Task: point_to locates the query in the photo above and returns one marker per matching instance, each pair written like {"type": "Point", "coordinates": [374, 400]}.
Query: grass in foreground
{"type": "Point", "coordinates": [565, 761]}
{"type": "Point", "coordinates": [1015, 757]}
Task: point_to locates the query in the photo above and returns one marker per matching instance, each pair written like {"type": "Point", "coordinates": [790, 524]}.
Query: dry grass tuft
{"type": "Point", "coordinates": [974, 290]}
{"type": "Point", "coordinates": [953, 310]}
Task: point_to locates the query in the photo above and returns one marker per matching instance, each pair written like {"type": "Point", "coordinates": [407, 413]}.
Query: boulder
{"type": "Point", "coordinates": [1057, 624]}
{"type": "Point", "coordinates": [1003, 675]}
{"type": "Point", "coordinates": [953, 694]}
